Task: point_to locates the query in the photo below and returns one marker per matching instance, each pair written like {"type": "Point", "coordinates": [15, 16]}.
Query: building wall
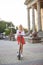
{"type": "Point", "coordinates": [42, 18]}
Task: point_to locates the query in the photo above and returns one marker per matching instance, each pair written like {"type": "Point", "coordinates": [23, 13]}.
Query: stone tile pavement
{"type": "Point", "coordinates": [33, 53]}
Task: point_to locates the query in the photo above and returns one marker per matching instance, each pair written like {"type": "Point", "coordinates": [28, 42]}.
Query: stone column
{"type": "Point", "coordinates": [28, 12]}
{"type": "Point", "coordinates": [33, 18]}
{"type": "Point", "coordinates": [39, 15]}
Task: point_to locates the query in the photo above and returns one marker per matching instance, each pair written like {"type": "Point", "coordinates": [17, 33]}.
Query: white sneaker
{"type": "Point", "coordinates": [22, 55]}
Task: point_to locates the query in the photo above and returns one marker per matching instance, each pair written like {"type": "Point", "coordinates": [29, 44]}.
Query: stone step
{"type": "Point", "coordinates": [40, 34]}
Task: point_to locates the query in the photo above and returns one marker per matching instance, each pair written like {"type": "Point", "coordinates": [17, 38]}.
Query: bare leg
{"type": "Point", "coordinates": [21, 48]}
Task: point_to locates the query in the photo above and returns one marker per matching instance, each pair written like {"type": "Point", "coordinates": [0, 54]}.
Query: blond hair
{"type": "Point", "coordinates": [21, 27]}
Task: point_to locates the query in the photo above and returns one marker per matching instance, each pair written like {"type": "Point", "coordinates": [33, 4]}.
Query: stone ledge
{"type": "Point", "coordinates": [34, 40]}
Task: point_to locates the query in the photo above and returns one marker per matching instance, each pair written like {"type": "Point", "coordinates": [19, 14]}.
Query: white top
{"type": "Point", "coordinates": [20, 33]}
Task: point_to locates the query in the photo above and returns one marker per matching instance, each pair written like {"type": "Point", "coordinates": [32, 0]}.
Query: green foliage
{"type": "Point", "coordinates": [16, 28]}
{"type": "Point", "coordinates": [25, 30]}
{"type": "Point", "coordinates": [7, 32]}
{"type": "Point", "coordinates": [2, 26]}
{"type": "Point", "coordinates": [14, 31]}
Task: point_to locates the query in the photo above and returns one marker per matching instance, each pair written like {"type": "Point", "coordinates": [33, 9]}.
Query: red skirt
{"type": "Point", "coordinates": [20, 40]}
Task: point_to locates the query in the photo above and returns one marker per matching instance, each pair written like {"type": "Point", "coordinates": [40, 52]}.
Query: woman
{"type": "Point", "coordinates": [20, 39]}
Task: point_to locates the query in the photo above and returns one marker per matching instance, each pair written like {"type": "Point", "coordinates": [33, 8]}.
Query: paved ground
{"type": "Point", "coordinates": [33, 53]}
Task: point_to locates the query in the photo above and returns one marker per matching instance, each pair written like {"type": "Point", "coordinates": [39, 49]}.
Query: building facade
{"type": "Point", "coordinates": [38, 6]}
